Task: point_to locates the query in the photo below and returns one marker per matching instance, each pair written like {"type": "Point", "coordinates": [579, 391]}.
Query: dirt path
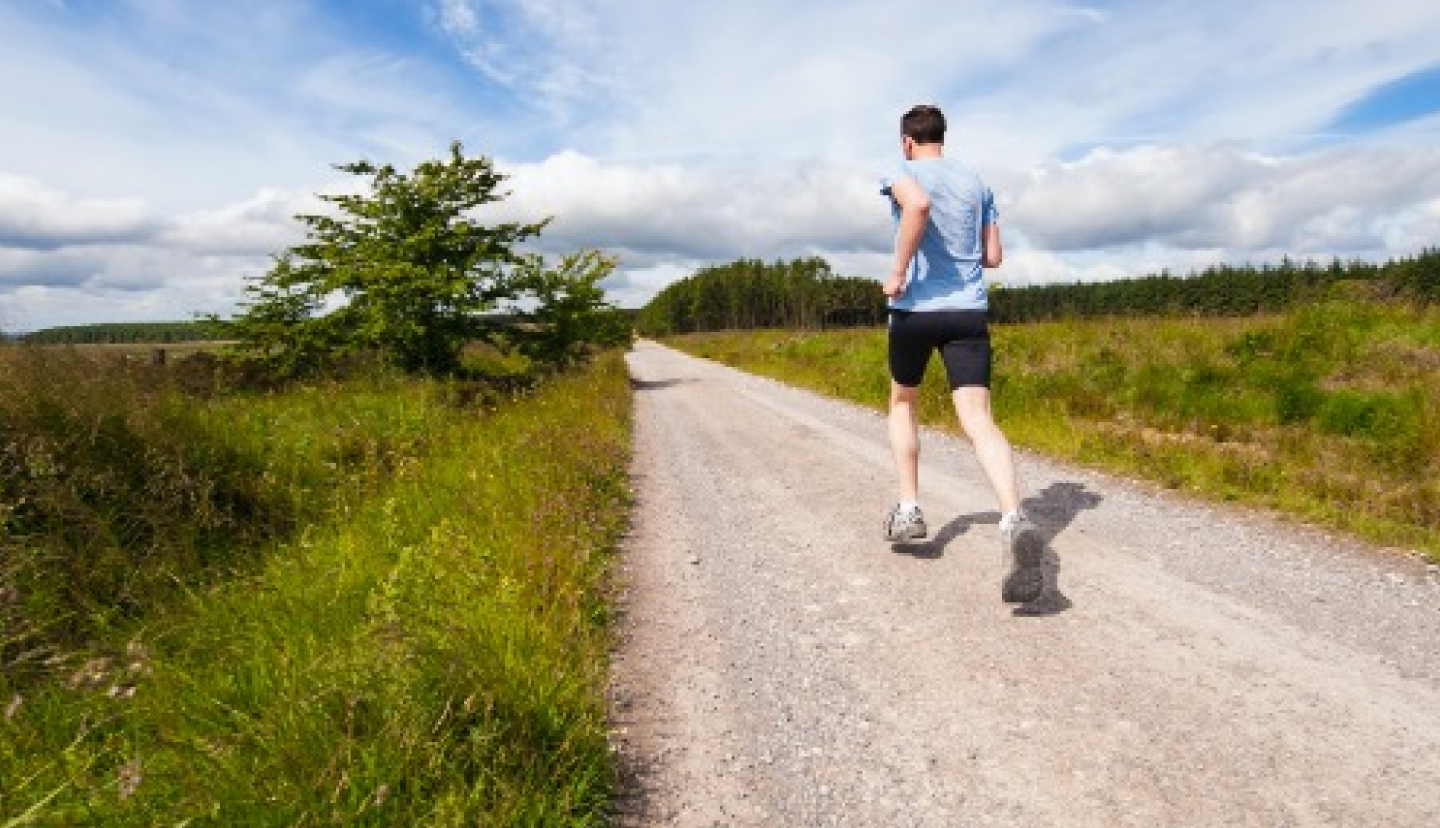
{"type": "Point", "coordinates": [783, 666]}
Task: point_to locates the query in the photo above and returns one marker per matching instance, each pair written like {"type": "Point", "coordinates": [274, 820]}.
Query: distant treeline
{"type": "Point", "coordinates": [752, 294]}
{"type": "Point", "coordinates": [125, 333]}
{"type": "Point", "coordinates": [158, 333]}
{"type": "Point", "coordinates": [1222, 290]}
{"type": "Point", "coordinates": [805, 294]}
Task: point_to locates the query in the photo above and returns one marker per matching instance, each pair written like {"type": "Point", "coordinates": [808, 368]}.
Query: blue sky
{"type": "Point", "coordinates": [153, 152]}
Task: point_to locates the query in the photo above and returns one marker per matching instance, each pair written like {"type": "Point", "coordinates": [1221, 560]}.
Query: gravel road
{"type": "Point", "coordinates": [781, 665]}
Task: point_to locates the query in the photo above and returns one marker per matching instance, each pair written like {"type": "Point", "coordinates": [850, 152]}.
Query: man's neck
{"type": "Point", "coordinates": [920, 151]}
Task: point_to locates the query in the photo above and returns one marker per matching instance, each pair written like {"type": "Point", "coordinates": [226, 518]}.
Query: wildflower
{"type": "Point", "coordinates": [92, 673]}
{"type": "Point", "coordinates": [139, 657]}
{"type": "Point", "coordinates": [130, 778]}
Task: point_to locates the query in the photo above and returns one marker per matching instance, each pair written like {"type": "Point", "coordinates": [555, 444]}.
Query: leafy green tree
{"type": "Point", "coordinates": [406, 271]}
{"type": "Point", "coordinates": [568, 311]}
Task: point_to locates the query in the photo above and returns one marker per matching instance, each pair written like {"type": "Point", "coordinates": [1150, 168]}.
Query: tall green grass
{"type": "Point", "coordinates": [1330, 412]}
{"type": "Point", "coordinates": [418, 638]}
{"type": "Point", "coordinates": [118, 489]}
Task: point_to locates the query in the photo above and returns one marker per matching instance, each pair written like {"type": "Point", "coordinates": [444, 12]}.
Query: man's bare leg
{"type": "Point", "coordinates": [905, 522]}
{"type": "Point", "coordinates": [905, 440]}
{"type": "Point", "coordinates": [997, 460]}
{"type": "Point", "coordinates": [1028, 580]}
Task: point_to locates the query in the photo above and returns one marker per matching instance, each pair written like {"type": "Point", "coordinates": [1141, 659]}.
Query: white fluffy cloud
{"type": "Point", "coordinates": [36, 216]}
{"type": "Point", "coordinates": [58, 269]}
{"type": "Point", "coordinates": [262, 225]}
{"type": "Point", "coordinates": [668, 213]}
{"type": "Point", "coordinates": [1368, 200]}
{"type": "Point", "coordinates": [66, 260]}
{"type": "Point", "coordinates": [118, 283]}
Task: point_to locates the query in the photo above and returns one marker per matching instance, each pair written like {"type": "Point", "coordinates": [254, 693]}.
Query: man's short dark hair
{"type": "Point", "coordinates": [924, 124]}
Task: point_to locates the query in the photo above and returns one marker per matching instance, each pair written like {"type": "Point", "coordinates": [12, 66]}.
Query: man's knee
{"type": "Point", "coordinates": [903, 394]}
{"type": "Point", "coordinates": [972, 404]}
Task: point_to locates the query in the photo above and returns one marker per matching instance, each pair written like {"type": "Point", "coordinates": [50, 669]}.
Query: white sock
{"type": "Point", "coordinates": [1009, 520]}
{"type": "Point", "coordinates": [909, 506]}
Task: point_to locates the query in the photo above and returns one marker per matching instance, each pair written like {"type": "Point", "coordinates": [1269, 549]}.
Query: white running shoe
{"type": "Point", "coordinates": [1023, 550]}
{"type": "Point", "coordinates": [904, 524]}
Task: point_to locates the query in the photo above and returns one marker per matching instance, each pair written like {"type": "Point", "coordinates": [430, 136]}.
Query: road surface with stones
{"type": "Point", "coordinates": [780, 665]}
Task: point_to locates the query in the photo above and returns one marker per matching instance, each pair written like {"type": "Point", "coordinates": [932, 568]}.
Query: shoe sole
{"type": "Point", "coordinates": [907, 535]}
{"type": "Point", "coordinates": [1026, 580]}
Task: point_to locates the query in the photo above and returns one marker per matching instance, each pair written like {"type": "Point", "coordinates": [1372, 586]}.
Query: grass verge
{"type": "Point", "coordinates": [424, 644]}
{"type": "Point", "coordinates": [1330, 413]}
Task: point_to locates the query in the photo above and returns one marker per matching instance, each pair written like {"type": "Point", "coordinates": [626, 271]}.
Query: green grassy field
{"type": "Point", "coordinates": [363, 603]}
{"type": "Point", "coordinates": [1330, 413]}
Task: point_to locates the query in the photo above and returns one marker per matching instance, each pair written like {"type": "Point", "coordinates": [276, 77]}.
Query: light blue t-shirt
{"type": "Point", "coordinates": [946, 273]}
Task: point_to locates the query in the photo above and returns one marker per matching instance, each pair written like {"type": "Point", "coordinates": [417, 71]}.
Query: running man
{"type": "Point", "coordinates": [946, 235]}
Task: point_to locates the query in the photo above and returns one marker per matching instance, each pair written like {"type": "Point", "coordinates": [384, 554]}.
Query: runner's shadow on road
{"type": "Point", "coordinates": [933, 549]}
{"type": "Point", "coordinates": [1057, 506]}
{"type": "Point", "coordinates": [1053, 510]}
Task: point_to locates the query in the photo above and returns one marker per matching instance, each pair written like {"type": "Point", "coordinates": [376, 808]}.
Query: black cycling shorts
{"type": "Point", "coordinates": [962, 337]}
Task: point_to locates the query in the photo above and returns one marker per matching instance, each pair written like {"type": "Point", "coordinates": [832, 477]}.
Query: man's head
{"type": "Point", "coordinates": [923, 124]}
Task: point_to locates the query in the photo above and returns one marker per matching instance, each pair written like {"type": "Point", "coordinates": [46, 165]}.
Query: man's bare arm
{"type": "Point", "coordinates": [990, 253]}
{"type": "Point", "coordinates": [914, 215]}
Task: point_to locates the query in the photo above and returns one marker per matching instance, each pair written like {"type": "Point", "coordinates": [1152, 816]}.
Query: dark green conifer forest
{"type": "Point", "coordinates": [805, 294]}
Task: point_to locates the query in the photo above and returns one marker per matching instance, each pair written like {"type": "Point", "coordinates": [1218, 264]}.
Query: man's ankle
{"type": "Point", "coordinates": [1009, 519]}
